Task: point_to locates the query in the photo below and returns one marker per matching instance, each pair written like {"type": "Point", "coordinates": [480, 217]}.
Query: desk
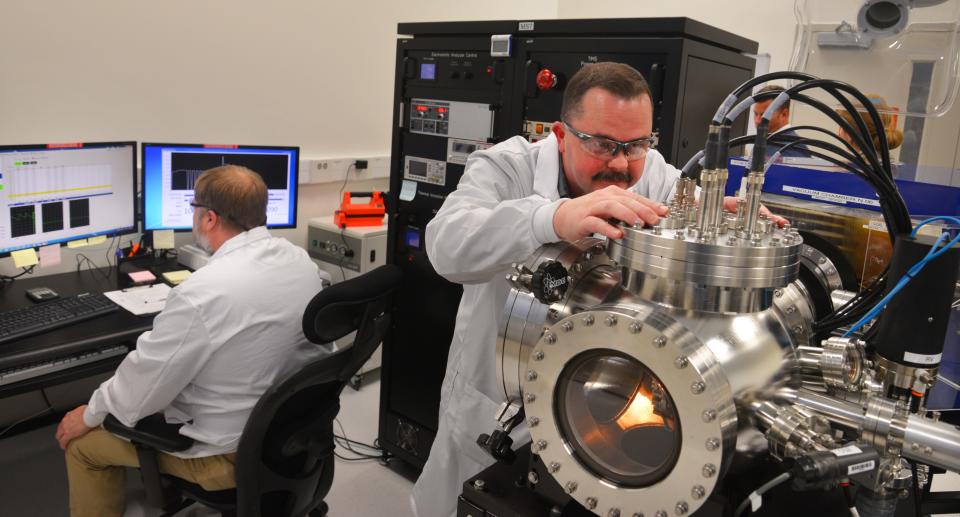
{"type": "Point", "coordinates": [119, 327]}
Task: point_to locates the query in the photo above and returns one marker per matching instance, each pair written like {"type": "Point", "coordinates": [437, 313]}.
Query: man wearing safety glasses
{"type": "Point", "coordinates": [599, 163]}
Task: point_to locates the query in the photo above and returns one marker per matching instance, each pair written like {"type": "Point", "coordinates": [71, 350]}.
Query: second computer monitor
{"type": "Point", "coordinates": [171, 170]}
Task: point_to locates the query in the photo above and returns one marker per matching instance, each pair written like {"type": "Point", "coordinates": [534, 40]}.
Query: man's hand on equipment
{"type": "Point", "coordinates": [71, 427]}
{"type": "Point", "coordinates": [588, 214]}
{"type": "Point", "coordinates": [730, 205]}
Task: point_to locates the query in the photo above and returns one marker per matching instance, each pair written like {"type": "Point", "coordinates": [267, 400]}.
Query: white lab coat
{"type": "Point", "coordinates": [501, 212]}
{"type": "Point", "coordinates": [225, 335]}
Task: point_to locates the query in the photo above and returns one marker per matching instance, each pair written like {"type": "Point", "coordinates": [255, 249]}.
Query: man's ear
{"type": "Point", "coordinates": [559, 131]}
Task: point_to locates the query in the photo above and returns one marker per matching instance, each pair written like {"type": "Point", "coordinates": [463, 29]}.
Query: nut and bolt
{"type": "Point", "coordinates": [709, 415]}
{"type": "Point", "coordinates": [538, 355]}
{"type": "Point", "coordinates": [567, 326]}
{"type": "Point", "coordinates": [709, 470]}
{"type": "Point", "coordinates": [660, 342]}
{"type": "Point", "coordinates": [550, 337]}
{"type": "Point", "coordinates": [697, 387]}
{"type": "Point", "coordinates": [539, 445]}
{"type": "Point", "coordinates": [682, 508]}
{"type": "Point", "coordinates": [554, 467]}
{"type": "Point", "coordinates": [533, 421]}
{"type": "Point", "coordinates": [591, 502]}
{"type": "Point", "coordinates": [530, 397]}
{"type": "Point", "coordinates": [478, 484]}
{"type": "Point", "coordinates": [611, 320]}
{"type": "Point", "coordinates": [681, 362]}
{"type": "Point", "coordinates": [698, 492]}
{"type": "Point", "coordinates": [635, 327]}
{"type": "Point", "coordinates": [661, 513]}
{"type": "Point", "coordinates": [614, 512]}
{"type": "Point", "coordinates": [570, 487]}
{"type": "Point", "coordinates": [713, 444]}
{"type": "Point", "coordinates": [588, 320]}
{"type": "Point", "coordinates": [533, 477]}
{"type": "Point", "coordinates": [531, 375]}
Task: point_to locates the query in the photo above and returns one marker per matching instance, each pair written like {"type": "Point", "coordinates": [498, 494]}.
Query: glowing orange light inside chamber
{"type": "Point", "coordinates": [639, 413]}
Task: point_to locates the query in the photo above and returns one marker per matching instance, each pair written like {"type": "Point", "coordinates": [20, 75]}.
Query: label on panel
{"type": "Point", "coordinates": [425, 170]}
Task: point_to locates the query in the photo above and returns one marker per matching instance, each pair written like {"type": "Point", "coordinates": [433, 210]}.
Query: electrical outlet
{"type": "Point", "coordinates": [334, 170]}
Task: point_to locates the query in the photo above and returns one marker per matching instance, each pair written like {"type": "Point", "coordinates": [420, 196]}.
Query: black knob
{"type": "Point", "coordinates": [550, 281]}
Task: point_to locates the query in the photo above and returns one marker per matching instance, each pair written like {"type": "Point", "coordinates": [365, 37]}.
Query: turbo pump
{"type": "Point", "coordinates": [640, 365]}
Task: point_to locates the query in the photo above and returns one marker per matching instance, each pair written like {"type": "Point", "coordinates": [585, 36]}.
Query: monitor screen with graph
{"type": "Point", "coordinates": [170, 171]}
{"type": "Point", "coordinates": [54, 193]}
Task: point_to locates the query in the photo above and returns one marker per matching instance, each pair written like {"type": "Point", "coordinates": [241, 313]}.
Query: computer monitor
{"type": "Point", "coordinates": [54, 193]}
{"type": "Point", "coordinates": [170, 171]}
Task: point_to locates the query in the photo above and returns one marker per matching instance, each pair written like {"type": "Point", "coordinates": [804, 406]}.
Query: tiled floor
{"type": "Point", "coordinates": [33, 482]}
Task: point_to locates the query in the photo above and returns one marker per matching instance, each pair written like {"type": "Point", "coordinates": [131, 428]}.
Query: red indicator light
{"type": "Point", "coordinates": [489, 70]}
{"type": "Point", "coordinates": [71, 145]}
{"type": "Point", "coordinates": [220, 146]}
{"type": "Point", "coordinates": [422, 108]}
{"type": "Point", "coordinates": [441, 110]}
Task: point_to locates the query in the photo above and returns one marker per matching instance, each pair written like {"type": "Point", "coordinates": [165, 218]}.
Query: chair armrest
{"type": "Point", "coordinates": [152, 431]}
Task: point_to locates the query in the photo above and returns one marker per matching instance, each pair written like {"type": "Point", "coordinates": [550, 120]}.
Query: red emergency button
{"type": "Point", "coordinates": [546, 79]}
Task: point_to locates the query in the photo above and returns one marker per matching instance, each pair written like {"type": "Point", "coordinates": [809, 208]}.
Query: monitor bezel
{"type": "Point", "coordinates": [54, 146]}
{"type": "Point", "coordinates": [225, 147]}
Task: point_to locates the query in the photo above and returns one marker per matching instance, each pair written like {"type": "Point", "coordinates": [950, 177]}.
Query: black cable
{"type": "Point", "coordinates": [26, 271]}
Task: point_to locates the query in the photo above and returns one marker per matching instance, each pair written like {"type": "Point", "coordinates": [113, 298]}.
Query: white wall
{"type": "Point", "coordinates": [316, 74]}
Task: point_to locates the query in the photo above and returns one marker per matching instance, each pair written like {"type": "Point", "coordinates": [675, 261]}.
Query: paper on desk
{"type": "Point", "coordinates": [141, 300]}
{"type": "Point", "coordinates": [96, 240]}
{"type": "Point", "coordinates": [163, 239]}
{"type": "Point", "coordinates": [25, 258]}
{"type": "Point", "coordinates": [50, 255]}
{"type": "Point", "coordinates": [77, 243]}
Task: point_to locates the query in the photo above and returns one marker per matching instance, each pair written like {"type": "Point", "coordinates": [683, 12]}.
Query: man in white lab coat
{"type": "Point", "coordinates": [225, 335]}
{"type": "Point", "coordinates": [598, 164]}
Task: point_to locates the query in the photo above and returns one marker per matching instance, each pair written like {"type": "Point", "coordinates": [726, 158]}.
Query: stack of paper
{"type": "Point", "coordinates": [148, 299]}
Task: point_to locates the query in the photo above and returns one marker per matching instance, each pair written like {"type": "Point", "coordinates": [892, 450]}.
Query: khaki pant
{"type": "Point", "coordinates": [96, 470]}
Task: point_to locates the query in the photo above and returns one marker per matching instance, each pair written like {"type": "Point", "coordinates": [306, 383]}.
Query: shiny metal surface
{"type": "Point", "coordinates": [932, 442]}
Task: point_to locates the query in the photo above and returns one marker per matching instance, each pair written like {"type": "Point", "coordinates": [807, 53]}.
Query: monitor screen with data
{"type": "Point", "coordinates": [55, 193]}
{"type": "Point", "coordinates": [171, 170]}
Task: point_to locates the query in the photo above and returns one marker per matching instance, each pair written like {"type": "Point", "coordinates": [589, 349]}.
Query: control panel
{"type": "Point", "coordinates": [467, 120]}
{"type": "Point", "coordinates": [355, 249]}
{"type": "Point", "coordinates": [425, 170]}
{"type": "Point", "coordinates": [535, 130]}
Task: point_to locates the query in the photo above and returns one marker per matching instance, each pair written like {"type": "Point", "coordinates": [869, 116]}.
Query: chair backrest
{"type": "Point", "coordinates": [285, 458]}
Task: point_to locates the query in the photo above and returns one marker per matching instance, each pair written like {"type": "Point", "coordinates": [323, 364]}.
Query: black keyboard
{"type": "Point", "coordinates": [37, 319]}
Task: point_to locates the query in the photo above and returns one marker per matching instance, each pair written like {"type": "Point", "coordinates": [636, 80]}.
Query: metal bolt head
{"type": "Point", "coordinates": [709, 415]}
{"type": "Point", "coordinates": [660, 342]}
{"type": "Point", "coordinates": [591, 502]}
{"type": "Point", "coordinates": [778, 293]}
{"type": "Point", "coordinates": [588, 320]}
{"type": "Point", "coordinates": [614, 512]}
{"type": "Point", "coordinates": [540, 445]}
{"type": "Point", "coordinates": [709, 470]}
{"type": "Point", "coordinates": [533, 421]}
{"type": "Point", "coordinates": [550, 337]}
{"type": "Point", "coordinates": [611, 320]}
{"type": "Point", "coordinates": [697, 387]}
{"type": "Point", "coordinates": [538, 355]}
{"type": "Point", "coordinates": [478, 484]}
{"type": "Point", "coordinates": [533, 477]}
{"type": "Point", "coordinates": [698, 492]}
{"type": "Point", "coordinates": [822, 260]}
{"type": "Point", "coordinates": [576, 268]}
{"type": "Point", "coordinates": [567, 326]}
{"type": "Point", "coordinates": [530, 397]}
{"type": "Point", "coordinates": [570, 487]}
{"type": "Point", "coordinates": [791, 309]}
{"type": "Point", "coordinates": [661, 513]}
{"type": "Point", "coordinates": [681, 362]}
{"type": "Point", "coordinates": [638, 514]}
{"type": "Point", "coordinates": [635, 327]}
{"type": "Point", "coordinates": [554, 467]}
{"type": "Point", "coordinates": [927, 450]}
{"type": "Point", "coordinates": [682, 508]}
{"type": "Point", "coordinates": [553, 314]}
{"type": "Point", "coordinates": [713, 444]}
{"type": "Point", "coordinates": [531, 375]}
{"type": "Point", "coordinates": [588, 256]}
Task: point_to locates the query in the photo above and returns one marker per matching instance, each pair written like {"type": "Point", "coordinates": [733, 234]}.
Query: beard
{"type": "Point", "coordinates": [202, 242]}
{"type": "Point", "coordinates": [611, 176]}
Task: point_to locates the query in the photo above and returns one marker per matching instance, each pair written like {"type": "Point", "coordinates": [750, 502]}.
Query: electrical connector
{"type": "Point", "coordinates": [361, 164]}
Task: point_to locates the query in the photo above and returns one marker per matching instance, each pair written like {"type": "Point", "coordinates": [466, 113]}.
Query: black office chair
{"type": "Point", "coordinates": [285, 458]}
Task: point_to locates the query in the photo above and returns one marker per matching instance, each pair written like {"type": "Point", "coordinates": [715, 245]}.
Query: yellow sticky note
{"type": "Point", "coordinates": [96, 240]}
{"type": "Point", "coordinates": [77, 244]}
{"type": "Point", "coordinates": [163, 239]}
{"type": "Point", "coordinates": [176, 277]}
{"type": "Point", "coordinates": [25, 258]}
